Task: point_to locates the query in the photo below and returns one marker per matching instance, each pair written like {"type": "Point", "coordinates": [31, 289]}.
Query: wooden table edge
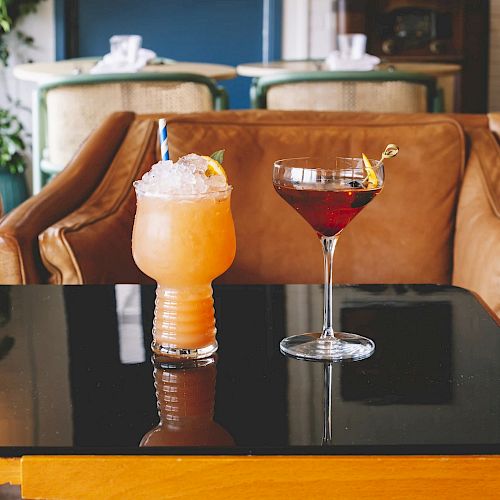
{"type": "Point", "coordinates": [10, 470]}
{"type": "Point", "coordinates": [258, 69]}
{"type": "Point", "coordinates": [35, 72]}
{"type": "Point", "coordinates": [183, 477]}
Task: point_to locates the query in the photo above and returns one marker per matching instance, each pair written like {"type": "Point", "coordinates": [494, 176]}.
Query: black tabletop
{"type": "Point", "coordinates": [76, 374]}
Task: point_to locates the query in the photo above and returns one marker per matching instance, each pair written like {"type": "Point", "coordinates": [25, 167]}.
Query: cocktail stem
{"type": "Point", "coordinates": [328, 243]}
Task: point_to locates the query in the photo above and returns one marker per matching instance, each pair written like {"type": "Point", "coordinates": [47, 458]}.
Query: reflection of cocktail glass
{"type": "Point", "coordinates": [186, 394]}
{"type": "Point", "coordinates": [184, 242]}
{"type": "Point", "coordinates": [328, 194]}
{"type": "Point", "coordinates": [327, 404]}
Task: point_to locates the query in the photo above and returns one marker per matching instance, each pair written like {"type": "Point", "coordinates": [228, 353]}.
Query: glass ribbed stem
{"type": "Point", "coordinates": [328, 243]}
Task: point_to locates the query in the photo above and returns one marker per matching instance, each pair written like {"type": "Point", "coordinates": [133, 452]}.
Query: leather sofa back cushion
{"type": "Point", "coordinates": [404, 236]}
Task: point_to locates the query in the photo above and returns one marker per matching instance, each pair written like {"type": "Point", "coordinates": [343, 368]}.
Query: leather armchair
{"type": "Point", "coordinates": [437, 220]}
{"type": "Point", "coordinates": [477, 234]}
{"type": "Point", "coordinates": [20, 261]}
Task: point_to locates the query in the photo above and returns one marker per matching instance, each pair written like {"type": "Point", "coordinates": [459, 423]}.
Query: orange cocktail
{"type": "Point", "coordinates": [184, 240]}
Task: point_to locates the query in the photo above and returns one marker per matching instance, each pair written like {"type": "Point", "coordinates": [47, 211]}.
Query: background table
{"type": "Point", "coordinates": [46, 72]}
{"type": "Point", "coordinates": [77, 396]}
{"type": "Point", "coordinates": [447, 75]}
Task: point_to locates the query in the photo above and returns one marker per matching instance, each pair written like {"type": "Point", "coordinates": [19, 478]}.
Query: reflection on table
{"type": "Point", "coordinates": [185, 399]}
{"type": "Point", "coordinates": [420, 374]}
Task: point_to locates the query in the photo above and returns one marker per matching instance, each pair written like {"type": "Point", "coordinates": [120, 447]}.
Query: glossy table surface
{"type": "Point", "coordinates": [76, 375]}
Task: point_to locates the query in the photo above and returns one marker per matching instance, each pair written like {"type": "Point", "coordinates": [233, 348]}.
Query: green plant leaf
{"type": "Point", "coordinates": [10, 13]}
{"type": "Point", "coordinates": [12, 144]}
{"type": "Point", "coordinates": [17, 141]}
{"type": "Point", "coordinates": [218, 155]}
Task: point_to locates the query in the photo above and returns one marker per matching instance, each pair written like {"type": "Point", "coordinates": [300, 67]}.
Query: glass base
{"type": "Point", "coordinates": [179, 354]}
{"type": "Point", "coordinates": [344, 347]}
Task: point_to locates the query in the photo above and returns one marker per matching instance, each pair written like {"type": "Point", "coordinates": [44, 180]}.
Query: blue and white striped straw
{"type": "Point", "coordinates": [162, 129]}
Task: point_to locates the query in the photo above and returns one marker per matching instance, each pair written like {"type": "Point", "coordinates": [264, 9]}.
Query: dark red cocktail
{"type": "Point", "coordinates": [328, 193]}
{"type": "Point", "coordinates": [328, 212]}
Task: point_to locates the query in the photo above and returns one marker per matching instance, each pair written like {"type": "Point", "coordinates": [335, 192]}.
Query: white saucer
{"type": "Point", "coordinates": [109, 64]}
{"type": "Point", "coordinates": [336, 63]}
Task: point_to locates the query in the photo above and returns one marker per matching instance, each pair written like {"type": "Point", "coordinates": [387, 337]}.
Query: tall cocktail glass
{"type": "Point", "coordinates": [184, 242]}
{"type": "Point", "coordinates": [328, 193]}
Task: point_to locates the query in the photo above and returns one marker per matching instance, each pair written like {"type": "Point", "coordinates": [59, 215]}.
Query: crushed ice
{"type": "Point", "coordinates": [184, 177]}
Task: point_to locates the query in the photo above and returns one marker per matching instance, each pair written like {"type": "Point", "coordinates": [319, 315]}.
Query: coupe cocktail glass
{"type": "Point", "coordinates": [184, 242]}
{"type": "Point", "coordinates": [328, 193]}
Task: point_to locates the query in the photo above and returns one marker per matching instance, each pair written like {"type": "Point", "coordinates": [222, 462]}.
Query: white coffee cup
{"type": "Point", "coordinates": [352, 45]}
{"type": "Point", "coordinates": [125, 47]}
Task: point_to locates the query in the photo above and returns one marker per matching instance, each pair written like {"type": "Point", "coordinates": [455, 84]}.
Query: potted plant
{"type": "Point", "coordinates": [13, 189]}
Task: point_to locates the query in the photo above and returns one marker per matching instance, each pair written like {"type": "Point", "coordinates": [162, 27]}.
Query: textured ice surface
{"type": "Point", "coordinates": [184, 177]}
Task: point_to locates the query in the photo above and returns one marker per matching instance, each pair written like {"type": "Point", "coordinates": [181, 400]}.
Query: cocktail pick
{"type": "Point", "coordinates": [390, 151]}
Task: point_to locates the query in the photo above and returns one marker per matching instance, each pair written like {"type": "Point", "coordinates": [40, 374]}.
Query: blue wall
{"type": "Point", "coordinates": [217, 31]}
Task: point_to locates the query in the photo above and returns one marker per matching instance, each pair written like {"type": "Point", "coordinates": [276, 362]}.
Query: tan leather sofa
{"type": "Point", "coordinates": [20, 261]}
{"type": "Point", "coordinates": [436, 221]}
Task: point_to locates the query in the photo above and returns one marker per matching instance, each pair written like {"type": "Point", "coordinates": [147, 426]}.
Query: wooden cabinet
{"type": "Point", "coordinates": [453, 31]}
